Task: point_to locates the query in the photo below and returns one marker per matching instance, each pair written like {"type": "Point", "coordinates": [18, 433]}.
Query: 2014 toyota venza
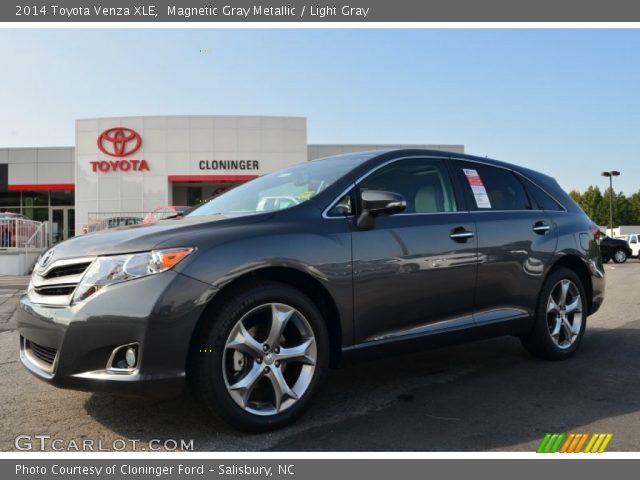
{"type": "Point", "coordinates": [252, 296]}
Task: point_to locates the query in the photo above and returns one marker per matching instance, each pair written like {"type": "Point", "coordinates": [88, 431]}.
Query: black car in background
{"type": "Point", "coordinates": [614, 249]}
{"type": "Point", "coordinates": [251, 297]}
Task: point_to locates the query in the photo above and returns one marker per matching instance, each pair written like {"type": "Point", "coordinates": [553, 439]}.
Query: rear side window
{"type": "Point", "coordinates": [540, 197]}
{"type": "Point", "coordinates": [494, 188]}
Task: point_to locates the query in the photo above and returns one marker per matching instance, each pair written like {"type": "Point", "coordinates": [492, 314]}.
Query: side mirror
{"type": "Point", "coordinates": [379, 202]}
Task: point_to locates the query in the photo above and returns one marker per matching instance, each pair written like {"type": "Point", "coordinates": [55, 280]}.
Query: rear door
{"type": "Point", "coordinates": [516, 241]}
{"type": "Point", "coordinates": [414, 272]}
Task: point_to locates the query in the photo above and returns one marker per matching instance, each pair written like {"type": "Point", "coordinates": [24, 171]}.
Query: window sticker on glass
{"type": "Point", "coordinates": [477, 187]}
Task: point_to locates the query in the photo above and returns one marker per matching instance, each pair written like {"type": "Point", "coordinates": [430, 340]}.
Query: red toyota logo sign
{"type": "Point", "coordinates": [119, 141]}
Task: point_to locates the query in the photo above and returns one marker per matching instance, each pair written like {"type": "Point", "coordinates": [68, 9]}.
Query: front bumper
{"type": "Point", "coordinates": [71, 346]}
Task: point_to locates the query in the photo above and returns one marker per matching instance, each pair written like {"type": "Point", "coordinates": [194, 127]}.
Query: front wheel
{"type": "Point", "coordinates": [259, 359]}
{"type": "Point", "coordinates": [619, 256]}
{"type": "Point", "coordinates": [561, 317]}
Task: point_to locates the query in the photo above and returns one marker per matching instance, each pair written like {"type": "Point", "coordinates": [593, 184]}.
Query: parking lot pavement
{"type": "Point", "coordinates": [488, 395]}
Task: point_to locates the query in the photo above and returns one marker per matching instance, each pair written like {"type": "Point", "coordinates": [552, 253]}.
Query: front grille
{"type": "Point", "coordinates": [57, 290]}
{"type": "Point", "coordinates": [66, 270]}
{"type": "Point", "coordinates": [55, 285]}
{"type": "Point", "coordinates": [44, 354]}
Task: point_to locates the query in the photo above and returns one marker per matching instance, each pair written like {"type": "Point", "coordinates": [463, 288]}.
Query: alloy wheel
{"type": "Point", "coordinates": [269, 359]}
{"type": "Point", "coordinates": [619, 256]}
{"type": "Point", "coordinates": [564, 313]}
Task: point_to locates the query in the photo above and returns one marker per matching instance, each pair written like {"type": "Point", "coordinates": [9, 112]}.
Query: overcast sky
{"type": "Point", "coordinates": [566, 102]}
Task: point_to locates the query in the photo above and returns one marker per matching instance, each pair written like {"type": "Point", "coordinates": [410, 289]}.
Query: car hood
{"type": "Point", "coordinates": [181, 231]}
{"type": "Point", "coordinates": [614, 242]}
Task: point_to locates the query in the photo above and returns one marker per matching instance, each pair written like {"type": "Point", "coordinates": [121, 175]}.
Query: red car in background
{"type": "Point", "coordinates": [160, 213]}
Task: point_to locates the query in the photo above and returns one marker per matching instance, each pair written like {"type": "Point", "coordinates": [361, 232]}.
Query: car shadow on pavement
{"type": "Point", "coordinates": [479, 396]}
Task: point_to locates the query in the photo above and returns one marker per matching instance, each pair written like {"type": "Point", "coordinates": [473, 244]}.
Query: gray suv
{"type": "Point", "coordinates": [252, 296]}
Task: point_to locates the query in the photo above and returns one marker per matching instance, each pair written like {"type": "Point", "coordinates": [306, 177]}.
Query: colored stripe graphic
{"type": "Point", "coordinates": [569, 442]}
{"type": "Point", "coordinates": [598, 442]}
{"type": "Point", "coordinates": [573, 442]}
{"type": "Point", "coordinates": [581, 443]}
{"type": "Point", "coordinates": [551, 442]}
{"type": "Point", "coordinates": [543, 444]}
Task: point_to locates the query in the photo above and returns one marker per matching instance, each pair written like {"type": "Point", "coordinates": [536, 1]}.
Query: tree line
{"type": "Point", "coordinates": [626, 210]}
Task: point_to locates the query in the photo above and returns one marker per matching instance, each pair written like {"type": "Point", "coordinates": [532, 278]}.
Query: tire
{"type": "Point", "coordinates": [541, 341]}
{"type": "Point", "coordinates": [619, 256]}
{"type": "Point", "coordinates": [238, 378]}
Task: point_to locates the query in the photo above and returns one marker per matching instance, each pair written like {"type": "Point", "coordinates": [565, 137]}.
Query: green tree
{"type": "Point", "coordinates": [593, 204]}
{"type": "Point", "coordinates": [634, 201]}
{"type": "Point", "coordinates": [577, 197]}
{"type": "Point", "coordinates": [626, 210]}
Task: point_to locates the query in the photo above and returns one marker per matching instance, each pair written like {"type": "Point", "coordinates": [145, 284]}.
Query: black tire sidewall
{"type": "Point", "coordinates": [209, 382]}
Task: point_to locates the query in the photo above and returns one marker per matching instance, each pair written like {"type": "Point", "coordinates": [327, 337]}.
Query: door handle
{"type": "Point", "coordinates": [460, 234]}
{"type": "Point", "coordinates": [541, 228]}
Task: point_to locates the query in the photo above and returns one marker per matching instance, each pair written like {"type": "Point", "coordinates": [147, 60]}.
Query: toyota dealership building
{"type": "Point", "coordinates": [131, 165]}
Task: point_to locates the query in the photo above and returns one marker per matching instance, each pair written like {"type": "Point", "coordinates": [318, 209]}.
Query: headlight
{"type": "Point", "coordinates": [120, 268]}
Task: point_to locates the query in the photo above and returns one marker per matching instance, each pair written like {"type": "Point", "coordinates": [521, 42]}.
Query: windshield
{"type": "Point", "coordinates": [282, 189]}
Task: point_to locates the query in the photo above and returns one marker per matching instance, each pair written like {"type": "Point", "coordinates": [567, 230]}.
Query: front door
{"type": "Point", "coordinates": [414, 272]}
{"type": "Point", "coordinates": [62, 224]}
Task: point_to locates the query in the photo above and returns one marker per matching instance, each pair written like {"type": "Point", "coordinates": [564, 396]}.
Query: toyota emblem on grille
{"type": "Point", "coordinates": [119, 141]}
{"type": "Point", "coordinates": [46, 258]}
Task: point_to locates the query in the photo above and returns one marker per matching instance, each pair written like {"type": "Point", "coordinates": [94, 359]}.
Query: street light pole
{"type": "Point", "coordinates": [611, 174]}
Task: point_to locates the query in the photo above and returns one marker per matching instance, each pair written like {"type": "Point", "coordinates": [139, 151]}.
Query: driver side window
{"type": "Point", "coordinates": [424, 183]}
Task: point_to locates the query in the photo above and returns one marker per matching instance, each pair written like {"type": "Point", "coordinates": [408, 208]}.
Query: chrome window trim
{"type": "Point", "coordinates": [454, 158]}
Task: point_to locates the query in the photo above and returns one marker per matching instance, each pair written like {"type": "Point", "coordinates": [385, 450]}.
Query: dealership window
{"type": "Point", "coordinates": [194, 196]}
{"type": "Point", "coordinates": [10, 199]}
{"type": "Point", "coordinates": [35, 204]}
{"type": "Point", "coordinates": [424, 183]}
{"type": "Point", "coordinates": [62, 197]}
{"type": "Point", "coordinates": [494, 188]}
{"type": "Point", "coordinates": [41, 214]}
{"type": "Point", "coordinates": [10, 209]}
{"type": "Point", "coordinates": [35, 199]}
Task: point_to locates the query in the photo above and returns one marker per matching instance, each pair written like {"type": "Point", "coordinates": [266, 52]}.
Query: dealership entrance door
{"type": "Point", "coordinates": [63, 224]}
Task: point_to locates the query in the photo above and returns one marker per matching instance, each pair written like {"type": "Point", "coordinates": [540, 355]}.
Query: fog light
{"type": "Point", "coordinates": [123, 359]}
{"type": "Point", "coordinates": [130, 357]}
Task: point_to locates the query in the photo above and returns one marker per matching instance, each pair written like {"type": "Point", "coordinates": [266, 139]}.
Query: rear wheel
{"type": "Point", "coordinates": [259, 360]}
{"type": "Point", "coordinates": [619, 256]}
{"type": "Point", "coordinates": [561, 316]}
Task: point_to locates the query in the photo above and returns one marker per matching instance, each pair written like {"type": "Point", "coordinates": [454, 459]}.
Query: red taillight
{"type": "Point", "coordinates": [597, 234]}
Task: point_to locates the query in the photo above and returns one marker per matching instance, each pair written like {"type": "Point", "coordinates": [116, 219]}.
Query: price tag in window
{"type": "Point", "coordinates": [477, 187]}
